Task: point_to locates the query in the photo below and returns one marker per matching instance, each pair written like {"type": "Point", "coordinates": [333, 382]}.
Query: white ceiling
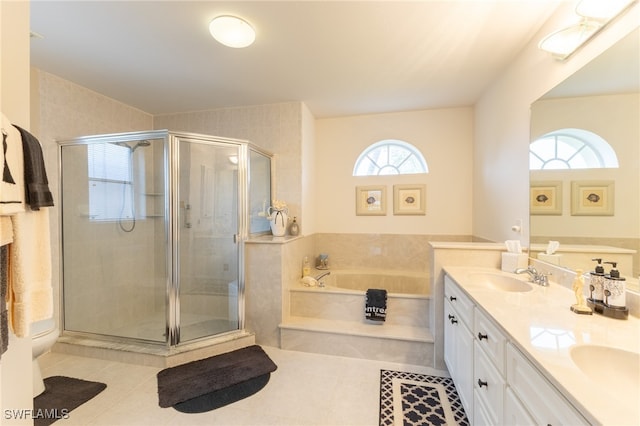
{"type": "Point", "coordinates": [340, 58]}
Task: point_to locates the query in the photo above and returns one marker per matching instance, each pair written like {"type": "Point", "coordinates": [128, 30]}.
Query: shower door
{"type": "Point", "coordinates": [114, 236]}
{"type": "Point", "coordinates": [206, 228]}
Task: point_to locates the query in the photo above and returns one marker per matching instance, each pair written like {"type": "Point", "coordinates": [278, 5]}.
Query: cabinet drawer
{"type": "Point", "coordinates": [490, 339]}
{"type": "Point", "coordinates": [459, 301]}
{"type": "Point", "coordinates": [541, 399]}
{"type": "Point", "coordinates": [488, 384]}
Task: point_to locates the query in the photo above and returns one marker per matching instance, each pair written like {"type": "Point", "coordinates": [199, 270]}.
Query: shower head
{"type": "Point", "coordinates": [142, 143]}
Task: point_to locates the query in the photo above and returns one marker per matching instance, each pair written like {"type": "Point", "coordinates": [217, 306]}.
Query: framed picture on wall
{"type": "Point", "coordinates": [409, 199]}
{"type": "Point", "coordinates": [592, 198]}
{"type": "Point", "coordinates": [545, 197]}
{"type": "Point", "coordinates": [371, 201]}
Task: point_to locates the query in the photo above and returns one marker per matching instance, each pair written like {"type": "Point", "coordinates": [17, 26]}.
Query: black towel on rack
{"type": "Point", "coordinates": [376, 305]}
{"type": "Point", "coordinates": [36, 184]}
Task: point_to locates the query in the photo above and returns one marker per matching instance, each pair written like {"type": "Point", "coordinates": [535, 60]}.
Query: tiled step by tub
{"type": "Point", "coordinates": [383, 342]}
{"type": "Point", "coordinates": [402, 309]}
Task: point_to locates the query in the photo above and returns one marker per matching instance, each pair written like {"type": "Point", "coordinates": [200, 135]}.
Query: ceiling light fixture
{"type": "Point", "coordinates": [232, 31]}
{"type": "Point", "coordinates": [594, 15]}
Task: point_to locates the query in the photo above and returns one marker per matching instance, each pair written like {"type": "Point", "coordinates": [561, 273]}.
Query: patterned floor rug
{"type": "Point", "coordinates": [411, 399]}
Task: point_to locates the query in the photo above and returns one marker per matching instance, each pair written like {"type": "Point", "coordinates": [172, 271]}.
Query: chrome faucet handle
{"type": "Point", "coordinates": [543, 278]}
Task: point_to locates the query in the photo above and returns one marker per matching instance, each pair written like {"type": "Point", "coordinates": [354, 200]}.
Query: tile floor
{"type": "Point", "coordinates": [307, 389]}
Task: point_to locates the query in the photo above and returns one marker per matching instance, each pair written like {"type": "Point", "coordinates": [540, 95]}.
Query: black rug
{"type": "Point", "coordinates": [413, 399]}
{"type": "Point", "coordinates": [211, 383]}
{"type": "Point", "coordinates": [61, 395]}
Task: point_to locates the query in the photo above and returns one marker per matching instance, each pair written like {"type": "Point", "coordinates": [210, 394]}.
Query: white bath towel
{"type": "Point", "coordinates": [30, 291]}
{"type": "Point", "coordinates": [12, 194]}
{"type": "Point", "coordinates": [6, 230]}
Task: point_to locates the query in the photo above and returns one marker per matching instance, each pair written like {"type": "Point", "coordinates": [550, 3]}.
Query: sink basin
{"type": "Point", "coordinates": [500, 282]}
{"type": "Point", "coordinates": [609, 367]}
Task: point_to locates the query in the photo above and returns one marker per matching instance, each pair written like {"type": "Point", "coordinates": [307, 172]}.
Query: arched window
{"type": "Point", "coordinates": [390, 157]}
{"type": "Point", "coordinates": [571, 149]}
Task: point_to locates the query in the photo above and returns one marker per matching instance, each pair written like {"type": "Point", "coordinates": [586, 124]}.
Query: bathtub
{"type": "Point", "coordinates": [396, 282]}
{"type": "Point", "coordinates": [343, 296]}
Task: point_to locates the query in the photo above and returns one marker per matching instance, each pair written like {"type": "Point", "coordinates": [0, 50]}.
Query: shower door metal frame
{"type": "Point", "coordinates": [171, 225]}
{"type": "Point", "coordinates": [173, 290]}
{"type": "Point", "coordinates": [99, 139]}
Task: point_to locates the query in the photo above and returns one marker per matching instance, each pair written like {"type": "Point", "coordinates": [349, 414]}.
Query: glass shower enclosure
{"type": "Point", "coordinates": [152, 227]}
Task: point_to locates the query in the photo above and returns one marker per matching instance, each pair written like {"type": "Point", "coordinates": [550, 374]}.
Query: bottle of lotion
{"type": "Point", "coordinates": [615, 288]}
{"type": "Point", "coordinates": [306, 267]}
{"type": "Point", "coordinates": [596, 282]}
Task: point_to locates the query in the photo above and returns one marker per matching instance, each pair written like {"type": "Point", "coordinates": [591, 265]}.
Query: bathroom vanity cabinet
{"type": "Point", "coordinates": [458, 343]}
{"type": "Point", "coordinates": [496, 382]}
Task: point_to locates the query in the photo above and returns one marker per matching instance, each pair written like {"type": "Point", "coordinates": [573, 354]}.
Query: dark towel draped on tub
{"type": "Point", "coordinates": [376, 305]}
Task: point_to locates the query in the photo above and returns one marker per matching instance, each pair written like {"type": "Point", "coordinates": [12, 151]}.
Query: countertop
{"type": "Point", "coordinates": [541, 324]}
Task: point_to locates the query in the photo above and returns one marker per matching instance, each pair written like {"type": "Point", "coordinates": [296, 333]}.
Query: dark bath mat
{"type": "Point", "coordinates": [61, 395]}
{"type": "Point", "coordinates": [195, 379]}
{"type": "Point", "coordinates": [222, 397]}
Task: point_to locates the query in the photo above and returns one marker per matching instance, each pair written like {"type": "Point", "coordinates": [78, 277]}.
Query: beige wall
{"type": "Point", "coordinates": [15, 364]}
{"type": "Point", "coordinates": [445, 138]}
{"type": "Point", "coordinates": [501, 140]}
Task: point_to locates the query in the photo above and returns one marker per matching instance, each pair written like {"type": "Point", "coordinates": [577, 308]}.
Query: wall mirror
{"type": "Point", "coordinates": [581, 195]}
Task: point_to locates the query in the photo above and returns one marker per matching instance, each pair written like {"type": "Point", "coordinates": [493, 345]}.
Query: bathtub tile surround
{"type": "Point", "coordinates": [281, 315]}
{"type": "Point", "coordinates": [336, 324]}
{"type": "Point", "coordinates": [380, 251]}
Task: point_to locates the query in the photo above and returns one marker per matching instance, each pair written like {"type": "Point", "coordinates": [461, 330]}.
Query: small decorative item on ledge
{"type": "Point", "coordinates": [294, 229]}
{"type": "Point", "coordinates": [278, 218]}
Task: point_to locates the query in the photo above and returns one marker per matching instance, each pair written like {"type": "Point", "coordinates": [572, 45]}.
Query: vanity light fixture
{"type": "Point", "coordinates": [594, 15]}
{"type": "Point", "coordinates": [604, 10]}
{"type": "Point", "coordinates": [564, 42]}
{"type": "Point", "coordinates": [232, 31]}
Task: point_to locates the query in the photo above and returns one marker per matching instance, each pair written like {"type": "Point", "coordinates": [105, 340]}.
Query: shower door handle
{"type": "Point", "coordinates": [187, 215]}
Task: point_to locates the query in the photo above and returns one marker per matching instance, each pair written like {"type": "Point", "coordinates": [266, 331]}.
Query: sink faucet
{"type": "Point", "coordinates": [535, 277]}
{"type": "Point", "coordinates": [321, 276]}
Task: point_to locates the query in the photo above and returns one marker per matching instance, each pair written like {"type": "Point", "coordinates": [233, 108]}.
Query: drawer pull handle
{"type": "Point", "coordinates": [452, 298]}
{"type": "Point", "coordinates": [453, 320]}
{"type": "Point", "coordinates": [481, 383]}
{"type": "Point", "coordinates": [451, 316]}
{"type": "Point", "coordinates": [482, 336]}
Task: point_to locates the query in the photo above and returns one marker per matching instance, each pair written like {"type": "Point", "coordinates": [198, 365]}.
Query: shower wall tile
{"type": "Point", "coordinates": [65, 110]}
{"type": "Point", "coordinates": [276, 128]}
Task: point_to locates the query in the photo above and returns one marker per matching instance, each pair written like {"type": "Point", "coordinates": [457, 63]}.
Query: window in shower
{"type": "Point", "coordinates": [110, 181]}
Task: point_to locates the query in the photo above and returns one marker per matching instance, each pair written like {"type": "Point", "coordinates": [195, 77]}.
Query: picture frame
{"type": "Point", "coordinates": [545, 197]}
{"type": "Point", "coordinates": [592, 198]}
{"type": "Point", "coordinates": [409, 199]}
{"type": "Point", "coordinates": [371, 200]}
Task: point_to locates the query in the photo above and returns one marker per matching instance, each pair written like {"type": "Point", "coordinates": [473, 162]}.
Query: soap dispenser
{"type": "Point", "coordinates": [614, 288]}
{"type": "Point", "coordinates": [596, 282]}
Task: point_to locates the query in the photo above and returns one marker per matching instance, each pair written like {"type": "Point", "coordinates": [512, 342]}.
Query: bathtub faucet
{"type": "Point", "coordinates": [321, 276]}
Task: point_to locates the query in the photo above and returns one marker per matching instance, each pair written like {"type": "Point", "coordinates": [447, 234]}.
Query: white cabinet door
{"type": "Point", "coordinates": [458, 356]}
{"type": "Point", "coordinates": [514, 413]}
{"type": "Point", "coordinates": [545, 404]}
{"type": "Point", "coordinates": [489, 385]}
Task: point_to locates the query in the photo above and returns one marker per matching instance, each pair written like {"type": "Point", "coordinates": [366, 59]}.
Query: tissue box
{"type": "Point", "coordinates": [550, 258]}
{"type": "Point", "coordinates": [513, 261]}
